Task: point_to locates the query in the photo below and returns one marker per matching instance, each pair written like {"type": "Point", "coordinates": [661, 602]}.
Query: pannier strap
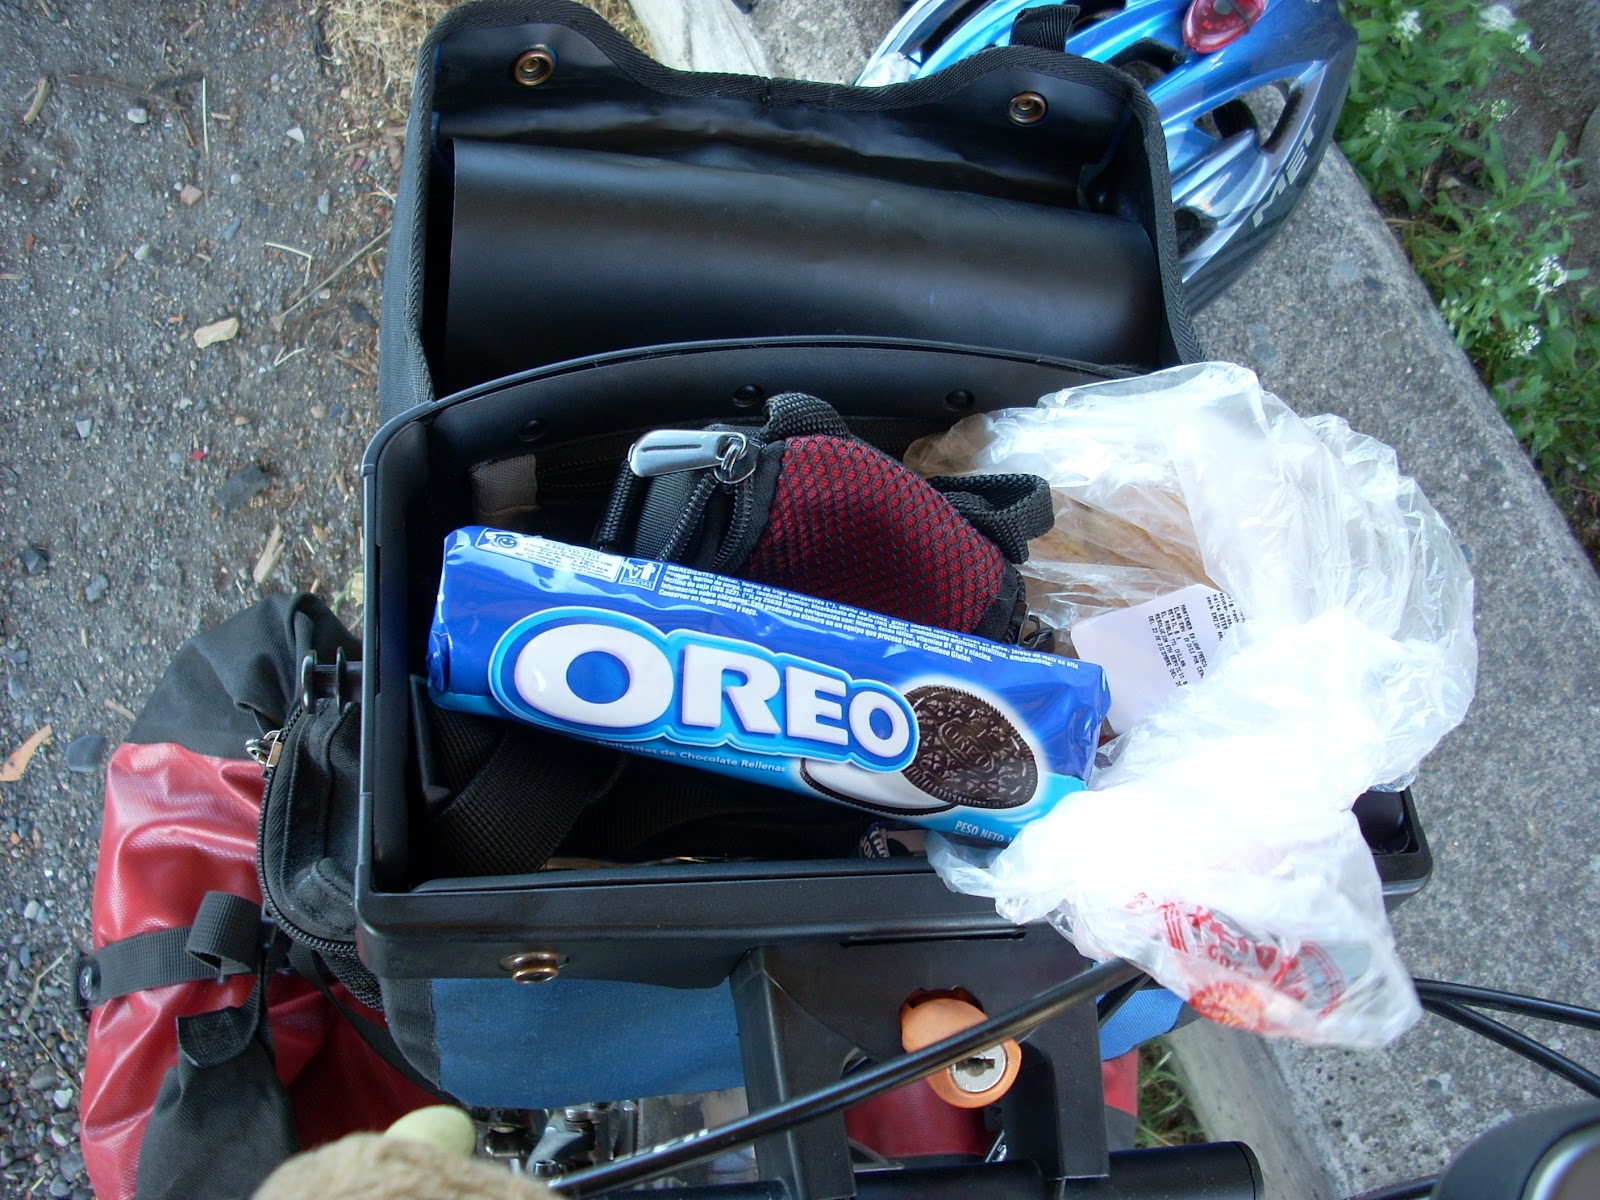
{"type": "Point", "coordinates": [225, 940]}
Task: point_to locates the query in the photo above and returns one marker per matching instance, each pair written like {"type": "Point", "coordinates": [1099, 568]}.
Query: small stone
{"type": "Point", "coordinates": [323, 203]}
{"type": "Point", "coordinates": [84, 427]}
{"type": "Point", "coordinates": [318, 412]}
{"type": "Point", "coordinates": [24, 957]}
{"type": "Point", "coordinates": [62, 1099]}
{"type": "Point", "coordinates": [241, 487]}
{"type": "Point", "coordinates": [34, 560]}
{"type": "Point", "coordinates": [137, 115]}
{"type": "Point", "coordinates": [141, 252]}
{"type": "Point", "coordinates": [190, 195]}
{"type": "Point", "coordinates": [1589, 147]}
{"type": "Point", "coordinates": [95, 590]}
{"type": "Point", "coordinates": [17, 688]}
{"type": "Point", "coordinates": [59, 1139]}
{"type": "Point", "coordinates": [18, 657]}
{"type": "Point", "coordinates": [31, 910]}
{"type": "Point", "coordinates": [295, 134]}
{"type": "Point", "coordinates": [231, 228]}
{"type": "Point", "coordinates": [363, 314]}
{"type": "Point", "coordinates": [44, 1077]}
{"type": "Point", "coordinates": [85, 754]}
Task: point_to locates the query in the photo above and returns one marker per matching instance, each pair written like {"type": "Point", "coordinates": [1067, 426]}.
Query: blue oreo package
{"type": "Point", "coordinates": [947, 731]}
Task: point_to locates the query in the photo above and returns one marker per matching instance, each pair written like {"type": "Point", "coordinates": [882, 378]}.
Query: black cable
{"type": "Point", "coordinates": [1510, 1002]}
{"type": "Point", "coordinates": [1511, 1039]}
{"type": "Point", "coordinates": [1411, 1189]}
{"type": "Point", "coordinates": [848, 1092]}
{"type": "Point", "coordinates": [1106, 1007]}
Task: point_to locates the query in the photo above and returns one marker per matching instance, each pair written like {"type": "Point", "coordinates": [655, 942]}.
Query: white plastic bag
{"type": "Point", "coordinates": [1218, 850]}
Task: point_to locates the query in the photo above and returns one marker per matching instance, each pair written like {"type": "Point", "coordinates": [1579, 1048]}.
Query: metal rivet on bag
{"type": "Point", "coordinates": [960, 401]}
{"type": "Point", "coordinates": [534, 966]}
{"type": "Point", "coordinates": [534, 66]}
{"type": "Point", "coordinates": [1027, 108]}
{"type": "Point", "coordinates": [532, 430]}
{"type": "Point", "coordinates": [749, 396]}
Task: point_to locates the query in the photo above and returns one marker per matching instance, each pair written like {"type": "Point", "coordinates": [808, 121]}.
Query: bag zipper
{"type": "Point", "coordinates": [729, 455]}
{"type": "Point", "coordinates": [267, 750]}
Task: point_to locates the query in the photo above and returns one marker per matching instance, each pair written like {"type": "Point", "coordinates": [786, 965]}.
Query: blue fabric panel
{"type": "Point", "coordinates": [1148, 1013]}
{"type": "Point", "coordinates": [512, 1045]}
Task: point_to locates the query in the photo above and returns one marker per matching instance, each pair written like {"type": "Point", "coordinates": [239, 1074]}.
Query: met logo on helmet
{"type": "Point", "coordinates": [608, 677]}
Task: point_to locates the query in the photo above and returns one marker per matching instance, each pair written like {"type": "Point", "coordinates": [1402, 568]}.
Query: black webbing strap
{"type": "Point", "coordinates": [1009, 510]}
{"type": "Point", "coordinates": [225, 940]}
{"type": "Point", "coordinates": [1044, 27]}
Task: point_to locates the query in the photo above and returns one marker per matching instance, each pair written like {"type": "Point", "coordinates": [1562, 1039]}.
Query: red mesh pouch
{"type": "Point", "coordinates": [803, 504]}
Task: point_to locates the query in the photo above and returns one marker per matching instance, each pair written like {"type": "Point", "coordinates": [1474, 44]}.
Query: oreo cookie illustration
{"type": "Point", "coordinates": [876, 791]}
{"type": "Point", "coordinates": [968, 752]}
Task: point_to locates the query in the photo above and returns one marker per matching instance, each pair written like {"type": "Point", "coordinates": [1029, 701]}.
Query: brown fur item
{"type": "Point", "coordinates": [369, 1166]}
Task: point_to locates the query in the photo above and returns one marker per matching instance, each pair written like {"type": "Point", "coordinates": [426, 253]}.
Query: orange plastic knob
{"type": "Point", "coordinates": [976, 1080]}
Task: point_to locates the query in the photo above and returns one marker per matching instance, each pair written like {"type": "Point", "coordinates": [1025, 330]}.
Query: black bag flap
{"type": "Point", "coordinates": [937, 209]}
{"type": "Point", "coordinates": [558, 253]}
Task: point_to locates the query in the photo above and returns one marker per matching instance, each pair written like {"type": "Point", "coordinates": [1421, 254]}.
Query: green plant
{"type": "Point", "coordinates": [1417, 92]}
{"type": "Point", "coordinates": [1165, 1118]}
{"type": "Point", "coordinates": [1491, 243]}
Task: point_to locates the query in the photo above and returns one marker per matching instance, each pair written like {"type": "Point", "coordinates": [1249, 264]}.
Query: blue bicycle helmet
{"type": "Point", "coordinates": [1249, 92]}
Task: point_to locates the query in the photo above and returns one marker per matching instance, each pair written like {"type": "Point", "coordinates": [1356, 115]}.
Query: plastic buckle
{"type": "Point", "coordinates": [1033, 631]}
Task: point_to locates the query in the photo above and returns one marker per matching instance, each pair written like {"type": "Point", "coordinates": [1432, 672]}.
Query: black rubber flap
{"type": "Point", "coordinates": [559, 253]}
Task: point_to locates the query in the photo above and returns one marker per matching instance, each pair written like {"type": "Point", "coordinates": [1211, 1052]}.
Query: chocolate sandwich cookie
{"type": "Point", "coordinates": [876, 791]}
{"type": "Point", "coordinates": [968, 752]}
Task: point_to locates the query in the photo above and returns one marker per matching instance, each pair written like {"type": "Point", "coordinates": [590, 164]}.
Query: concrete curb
{"type": "Point", "coordinates": [1334, 320]}
{"type": "Point", "coordinates": [703, 35]}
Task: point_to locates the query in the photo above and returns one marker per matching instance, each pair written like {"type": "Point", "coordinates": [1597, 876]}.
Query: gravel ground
{"type": "Point", "coordinates": [142, 477]}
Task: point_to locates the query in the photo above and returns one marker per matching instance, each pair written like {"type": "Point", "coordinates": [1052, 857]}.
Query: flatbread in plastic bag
{"type": "Point", "coordinates": [1218, 850]}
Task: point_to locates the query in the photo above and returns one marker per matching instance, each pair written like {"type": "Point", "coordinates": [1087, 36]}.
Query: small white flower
{"type": "Point", "coordinates": [1524, 343]}
{"type": "Point", "coordinates": [1550, 274]}
{"type": "Point", "coordinates": [1382, 123]}
{"type": "Point", "coordinates": [1524, 43]}
{"type": "Point", "coordinates": [1408, 25]}
{"type": "Point", "coordinates": [1499, 110]}
{"type": "Point", "coordinates": [1497, 18]}
{"type": "Point", "coordinates": [1455, 314]}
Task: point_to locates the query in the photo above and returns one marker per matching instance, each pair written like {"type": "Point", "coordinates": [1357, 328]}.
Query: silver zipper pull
{"type": "Point", "coordinates": [267, 748]}
{"type": "Point", "coordinates": [667, 451]}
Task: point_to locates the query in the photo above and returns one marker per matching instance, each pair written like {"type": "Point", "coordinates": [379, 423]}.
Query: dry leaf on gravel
{"type": "Point", "coordinates": [268, 562]}
{"type": "Point", "coordinates": [41, 92]}
{"type": "Point", "coordinates": [16, 765]}
{"type": "Point", "coordinates": [217, 331]}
